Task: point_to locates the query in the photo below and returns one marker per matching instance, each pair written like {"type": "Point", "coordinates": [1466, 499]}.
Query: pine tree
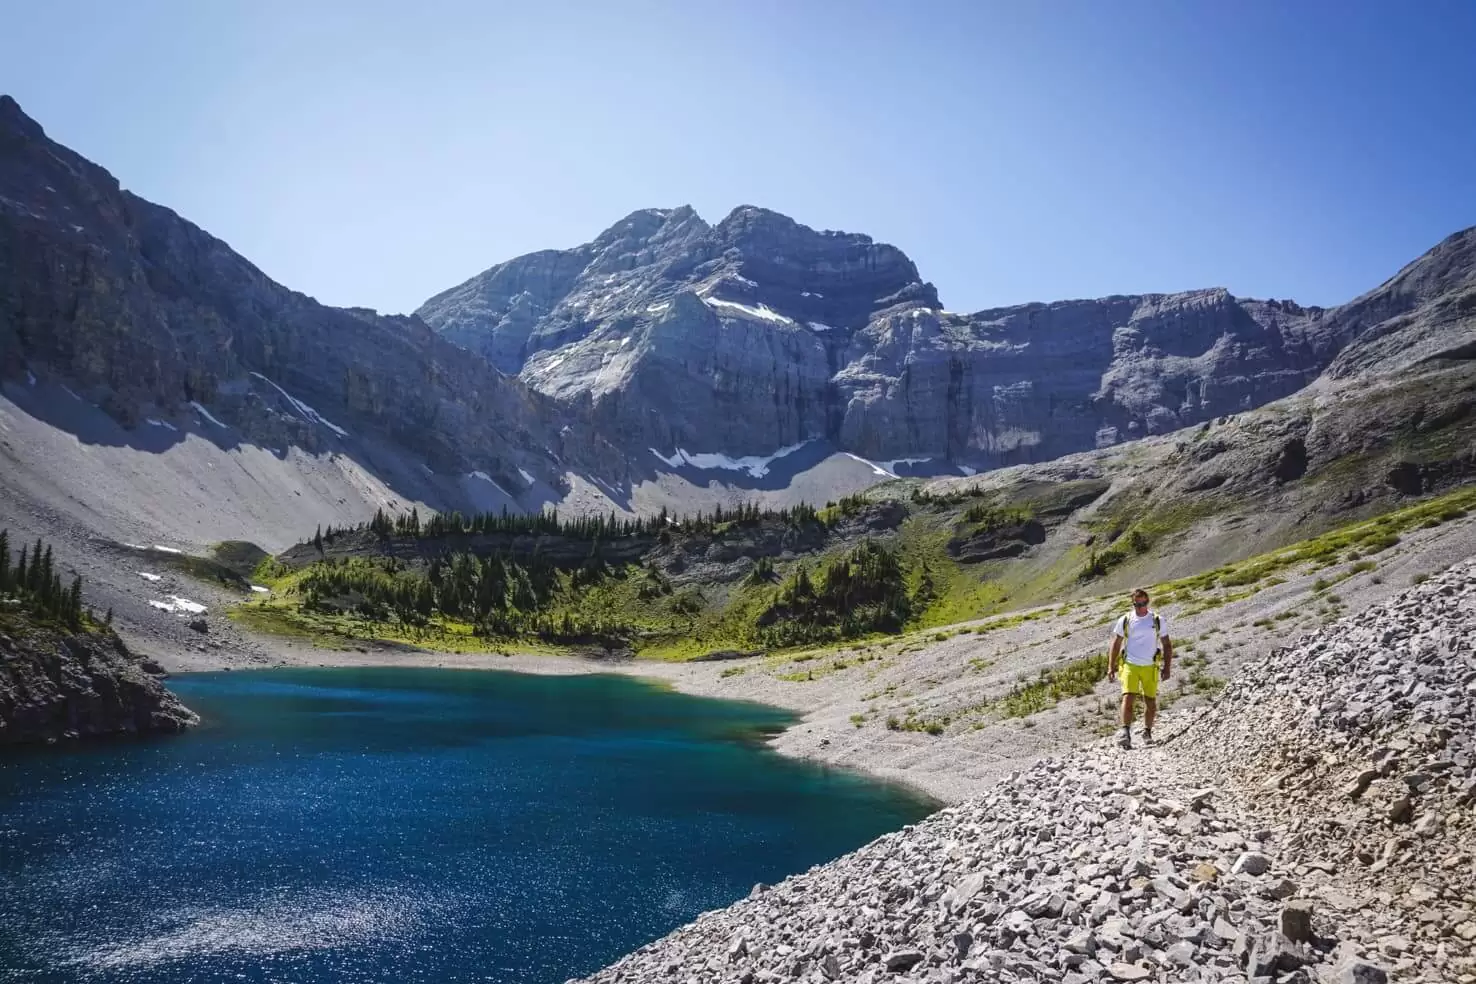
{"type": "Point", "coordinates": [21, 574]}
{"type": "Point", "coordinates": [108, 618]}
{"type": "Point", "coordinates": [4, 560]}
{"type": "Point", "coordinates": [318, 539]}
{"type": "Point", "coordinates": [74, 602]}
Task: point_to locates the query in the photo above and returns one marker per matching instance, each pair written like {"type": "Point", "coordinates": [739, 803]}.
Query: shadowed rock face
{"type": "Point", "coordinates": [141, 309]}
{"type": "Point", "coordinates": [56, 685]}
{"type": "Point", "coordinates": [760, 333]}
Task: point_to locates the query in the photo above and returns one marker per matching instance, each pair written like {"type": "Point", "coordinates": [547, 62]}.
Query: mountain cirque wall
{"type": "Point", "coordinates": [1315, 824]}
{"type": "Point", "coordinates": [760, 333]}
{"type": "Point", "coordinates": [145, 313]}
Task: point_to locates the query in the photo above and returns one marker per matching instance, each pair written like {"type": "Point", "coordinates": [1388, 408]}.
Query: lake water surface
{"type": "Point", "coordinates": [408, 825]}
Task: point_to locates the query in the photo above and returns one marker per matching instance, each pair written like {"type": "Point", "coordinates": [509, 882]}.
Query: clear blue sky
{"type": "Point", "coordinates": [376, 153]}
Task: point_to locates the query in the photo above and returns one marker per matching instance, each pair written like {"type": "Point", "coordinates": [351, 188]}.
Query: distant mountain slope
{"type": "Point", "coordinates": [145, 314]}
{"type": "Point", "coordinates": [146, 370]}
{"type": "Point", "coordinates": [758, 334]}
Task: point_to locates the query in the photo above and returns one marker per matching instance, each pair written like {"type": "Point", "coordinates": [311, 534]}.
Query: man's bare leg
{"type": "Point", "coordinates": [1150, 711]}
{"type": "Point", "coordinates": [1127, 709]}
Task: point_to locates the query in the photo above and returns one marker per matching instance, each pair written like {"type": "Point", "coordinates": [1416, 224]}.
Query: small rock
{"type": "Point", "coordinates": [1181, 953]}
{"type": "Point", "coordinates": [200, 625]}
{"type": "Point", "coordinates": [1129, 972]}
{"type": "Point", "coordinates": [1296, 921]}
{"type": "Point", "coordinates": [1358, 972]}
{"type": "Point", "coordinates": [902, 960]}
{"type": "Point", "coordinates": [1252, 863]}
{"type": "Point", "coordinates": [1283, 889]}
{"type": "Point", "coordinates": [1359, 786]}
{"type": "Point", "coordinates": [1204, 873]}
{"type": "Point", "coordinates": [1402, 810]}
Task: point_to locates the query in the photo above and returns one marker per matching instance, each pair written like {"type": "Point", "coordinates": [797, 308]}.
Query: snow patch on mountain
{"type": "Point", "coordinates": [755, 465]}
{"type": "Point", "coordinates": [306, 412]}
{"type": "Point", "coordinates": [763, 312]}
{"type": "Point", "coordinates": [876, 468]}
{"type": "Point", "coordinates": [205, 413]}
{"type": "Point", "coordinates": [488, 479]}
{"type": "Point", "coordinates": [178, 606]}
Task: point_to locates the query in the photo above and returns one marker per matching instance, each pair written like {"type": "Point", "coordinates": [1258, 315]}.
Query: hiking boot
{"type": "Point", "coordinates": [1147, 736]}
{"type": "Point", "coordinates": [1125, 738]}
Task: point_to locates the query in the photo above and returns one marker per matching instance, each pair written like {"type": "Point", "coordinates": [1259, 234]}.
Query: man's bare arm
{"type": "Point", "coordinates": [1168, 656]}
{"type": "Point", "coordinates": [1112, 657]}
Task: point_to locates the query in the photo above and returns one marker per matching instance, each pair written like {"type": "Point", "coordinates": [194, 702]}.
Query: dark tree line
{"type": "Point", "coordinates": [34, 579]}
{"type": "Point", "coordinates": [861, 591]}
{"type": "Point", "coordinates": [550, 523]}
{"type": "Point", "coordinates": [497, 595]}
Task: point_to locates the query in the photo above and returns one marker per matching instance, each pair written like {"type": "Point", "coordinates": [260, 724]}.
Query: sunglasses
{"type": "Point", "coordinates": [1139, 604]}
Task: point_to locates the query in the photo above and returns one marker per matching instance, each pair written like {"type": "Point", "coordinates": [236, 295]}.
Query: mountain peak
{"type": "Point", "coordinates": [13, 119]}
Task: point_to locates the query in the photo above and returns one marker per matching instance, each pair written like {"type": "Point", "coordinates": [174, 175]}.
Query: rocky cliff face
{"type": "Point", "coordinates": [759, 333]}
{"type": "Point", "coordinates": [146, 313]}
{"type": "Point", "coordinates": [56, 685]}
{"type": "Point", "coordinates": [701, 343]}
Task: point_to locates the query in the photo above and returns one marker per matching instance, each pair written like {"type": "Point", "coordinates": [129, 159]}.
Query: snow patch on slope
{"type": "Point", "coordinates": [876, 468]}
{"type": "Point", "coordinates": [755, 465]}
{"type": "Point", "coordinates": [306, 412]}
{"type": "Point", "coordinates": [178, 606]}
{"type": "Point", "coordinates": [152, 422]}
{"type": "Point", "coordinates": [206, 414]}
{"type": "Point", "coordinates": [763, 312]}
{"type": "Point", "coordinates": [488, 479]}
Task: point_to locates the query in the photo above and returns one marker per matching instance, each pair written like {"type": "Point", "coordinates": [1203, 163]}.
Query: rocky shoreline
{"type": "Point", "coordinates": [1313, 824]}
{"type": "Point", "coordinates": [57, 685]}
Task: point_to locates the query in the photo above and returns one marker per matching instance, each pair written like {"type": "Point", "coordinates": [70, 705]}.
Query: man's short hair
{"type": "Point", "coordinates": [1141, 591]}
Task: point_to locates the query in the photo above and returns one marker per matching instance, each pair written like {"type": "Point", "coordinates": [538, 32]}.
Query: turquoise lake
{"type": "Point", "coordinates": [406, 825]}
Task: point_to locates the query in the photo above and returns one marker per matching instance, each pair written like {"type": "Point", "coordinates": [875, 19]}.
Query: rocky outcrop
{"type": "Point", "coordinates": [1313, 824]}
{"type": "Point", "coordinates": [56, 685]}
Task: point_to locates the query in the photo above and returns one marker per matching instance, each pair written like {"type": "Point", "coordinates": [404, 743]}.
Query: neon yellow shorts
{"type": "Point", "coordinates": [1141, 680]}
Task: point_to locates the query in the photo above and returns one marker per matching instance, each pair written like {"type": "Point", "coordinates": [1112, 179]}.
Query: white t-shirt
{"type": "Point", "coordinates": [1140, 642]}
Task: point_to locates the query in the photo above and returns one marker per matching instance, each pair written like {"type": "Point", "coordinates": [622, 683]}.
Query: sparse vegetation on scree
{"type": "Point", "coordinates": [31, 584]}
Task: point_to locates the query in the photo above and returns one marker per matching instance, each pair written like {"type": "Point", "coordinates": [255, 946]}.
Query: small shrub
{"type": "Point", "coordinates": [858, 719]}
{"type": "Point", "coordinates": [893, 724]}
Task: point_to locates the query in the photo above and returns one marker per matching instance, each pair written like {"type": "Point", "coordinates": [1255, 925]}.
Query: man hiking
{"type": "Point", "coordinates": [1140, 637]}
